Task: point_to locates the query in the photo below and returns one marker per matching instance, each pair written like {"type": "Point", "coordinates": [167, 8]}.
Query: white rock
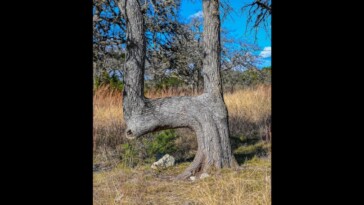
{"type": "Point", "coordinates": [204, 175]}
{"type": "Point", "coordinates": [193, 178]}
{"type": "Point", "coordinates": [166, 161]}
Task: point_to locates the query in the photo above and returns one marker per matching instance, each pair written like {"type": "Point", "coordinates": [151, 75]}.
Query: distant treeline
{"type": "Point", "coordinates": [232, 80]}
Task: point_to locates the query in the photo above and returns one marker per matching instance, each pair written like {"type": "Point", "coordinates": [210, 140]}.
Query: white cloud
{"type": "Point", "coordinates": [266, 52]}
{"type": "Point", "coordinates": [196, 15]}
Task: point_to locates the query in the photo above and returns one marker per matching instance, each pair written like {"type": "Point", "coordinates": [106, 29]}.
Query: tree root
{"type": "Point", "coordinates": [195, 167]}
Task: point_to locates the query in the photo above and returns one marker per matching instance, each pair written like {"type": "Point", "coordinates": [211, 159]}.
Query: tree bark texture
{"type": "Point", "coordinates": [205, 114]}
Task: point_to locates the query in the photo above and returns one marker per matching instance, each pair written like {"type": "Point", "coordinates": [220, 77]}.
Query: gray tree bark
{"type": "Point", "coordinates": [206, 114]}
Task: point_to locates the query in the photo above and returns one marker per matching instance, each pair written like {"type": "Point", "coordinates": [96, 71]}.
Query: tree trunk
{"type": "Point", "coordinates": [206, 114]}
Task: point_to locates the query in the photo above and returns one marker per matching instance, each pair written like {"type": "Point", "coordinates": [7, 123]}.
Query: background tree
{"type": "Point", "coordinates": [259, 13]}
{"type": "Point", "coordinates": [174, 51]}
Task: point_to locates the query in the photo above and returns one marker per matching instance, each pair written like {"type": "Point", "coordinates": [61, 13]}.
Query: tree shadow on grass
{"type": "Point", "coordinates": [245, 149]}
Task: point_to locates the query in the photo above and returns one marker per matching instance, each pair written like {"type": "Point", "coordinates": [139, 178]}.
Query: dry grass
{"type": "Point", "coordinates": [252, 104]}
{"type": "Point", "coordinates": [249, 113]}
{"type": "Point", "coordinates": [108, 122]}
{"type": "Point", "coordinates": [250, 185]}
{"type": "Point", "coordinates": [249, 117]}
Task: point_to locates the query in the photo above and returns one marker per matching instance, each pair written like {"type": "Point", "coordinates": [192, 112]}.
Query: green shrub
{"type": "Point", "coordinates": [111, 80]}
{"type": "Point", "coordinates": [169, 82]}
{"type": "Point", "coordinates": [129, 155]}
{"type": "Point", "coordinates": [163, 143]}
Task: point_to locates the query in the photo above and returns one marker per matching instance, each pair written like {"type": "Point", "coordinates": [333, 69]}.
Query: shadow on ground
{"type": "Point", "coordinates": [246, 148]}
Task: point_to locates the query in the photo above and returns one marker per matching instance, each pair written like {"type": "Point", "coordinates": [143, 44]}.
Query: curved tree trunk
{"type": "Point", "coordinates": [206, 114]}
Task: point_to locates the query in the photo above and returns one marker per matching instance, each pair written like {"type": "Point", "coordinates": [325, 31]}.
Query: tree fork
{"type": "Point", "coordinates": [205, 114]}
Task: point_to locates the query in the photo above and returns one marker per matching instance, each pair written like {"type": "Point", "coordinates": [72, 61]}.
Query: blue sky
{"type": "Point", "coordinates": [235, 23]}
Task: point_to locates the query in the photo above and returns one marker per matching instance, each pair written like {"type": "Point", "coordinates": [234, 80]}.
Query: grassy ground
{"type": "Point", "coordinates": [117, 183]}
{"type": "Point", "coordinates": [250, 184]}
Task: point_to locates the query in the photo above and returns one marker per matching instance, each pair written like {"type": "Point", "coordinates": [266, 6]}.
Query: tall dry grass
{"type": "Point", "coordinates": [108, 120]}
{"type": "Point", "coordinates": [249, 113]}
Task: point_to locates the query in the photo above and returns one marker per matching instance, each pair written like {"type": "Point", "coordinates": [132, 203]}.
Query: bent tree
{"type": "Point", "coordinates": [205, 114]}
